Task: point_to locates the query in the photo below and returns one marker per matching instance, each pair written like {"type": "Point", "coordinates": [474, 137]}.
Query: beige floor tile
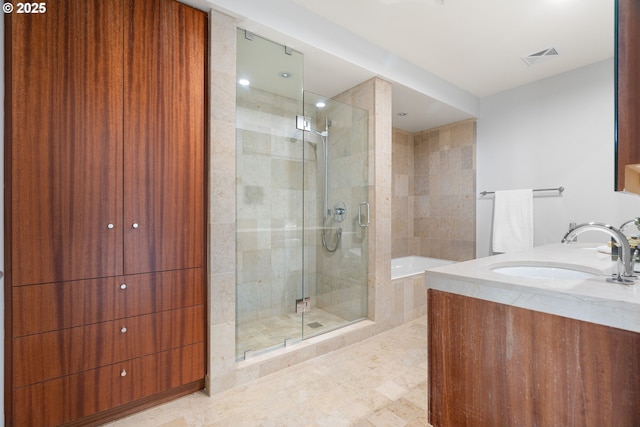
{"type": "Point", "coordinates": [378, 382]}
{"type": "Point", "coordinates": [386, 418]}
{"type": "Point", "coordinates": [392, 390]}
{"type": "Point", "coordinates": [418, 396]}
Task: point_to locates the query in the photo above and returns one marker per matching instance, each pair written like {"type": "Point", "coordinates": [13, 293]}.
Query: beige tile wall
{"type": "Point", "coordinates": [341, 277]}
{"type": "Point", "coordinates": [269, 182]}
{"type": "Point", "coordinates": [403, 242]}
{"type": "Point", "coordinates": [434, 194]}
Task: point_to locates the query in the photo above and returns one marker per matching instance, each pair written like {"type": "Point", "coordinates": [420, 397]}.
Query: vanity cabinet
{"type": "Point", "coordinates": [492, 364]}
{"type": "Point", "coordinates": [104, 209]}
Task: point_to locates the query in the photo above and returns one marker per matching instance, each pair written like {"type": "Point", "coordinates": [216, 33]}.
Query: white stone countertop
{"type": "Point", "coordinates": [592, 300]}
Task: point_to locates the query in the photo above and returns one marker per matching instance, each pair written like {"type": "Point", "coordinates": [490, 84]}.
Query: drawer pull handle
{"type": "Point", "coordinates": [123, 286]}
{"type": "Point", "coordinates": [123, 330]}
{"type": "Point", "coordinates": [135, 225]}
{"type": "Point", "coordinates": [123, 373]}
{"type": "Point", "coordinates": [110, 226]}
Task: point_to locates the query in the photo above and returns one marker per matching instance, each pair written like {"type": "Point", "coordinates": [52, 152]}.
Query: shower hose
{"type": "Point", "coordinates": [324, 239]}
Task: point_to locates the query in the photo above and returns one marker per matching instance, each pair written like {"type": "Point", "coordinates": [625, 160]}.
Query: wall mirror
{"type": "Point", "coordinates": [627, 96]}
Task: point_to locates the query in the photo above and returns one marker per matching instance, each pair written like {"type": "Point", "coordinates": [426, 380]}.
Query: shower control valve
{"type": "Point", "coordinates": [339, 211]}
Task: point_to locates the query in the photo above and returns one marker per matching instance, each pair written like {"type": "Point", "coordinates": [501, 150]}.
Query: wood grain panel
{"type": "Point", "coordinates": [171, 369]}
{"type": "Point", "coordinates": [65, 141]}
{"type": "Point", "coordinates": [164, 137]}
{"type": "Point", "coordinates": [628, 88]}
{"type": "Point", "coordinates": [54, 306]}
{"type": "Point", "coordinates": [496, 365]}
{"type": "Point", "coordinates": [46, 356]}
{"type": "Point", "coordinates": [55, 402]}
{"type": "Point", "coordinates": [146, 293]}
{"type": "Point", "coordinates": [87, 147]}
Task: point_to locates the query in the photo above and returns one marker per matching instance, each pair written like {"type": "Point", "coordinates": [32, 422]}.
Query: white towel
{"type": "Point", "coordinates": [513, 220]}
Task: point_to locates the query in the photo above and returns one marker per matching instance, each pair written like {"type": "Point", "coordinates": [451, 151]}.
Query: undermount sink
{"type": "Point", "coordinates": [546, 272]}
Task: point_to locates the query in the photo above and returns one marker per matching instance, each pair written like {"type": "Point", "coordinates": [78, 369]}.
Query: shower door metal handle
{"type": "Point", "coordinates": [360, 223]}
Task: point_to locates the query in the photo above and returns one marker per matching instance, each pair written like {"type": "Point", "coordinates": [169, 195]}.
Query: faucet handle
{"type": "Point", "coordinates": [573, 225]}
{"type": "Point", "coordinates": [621, 277]}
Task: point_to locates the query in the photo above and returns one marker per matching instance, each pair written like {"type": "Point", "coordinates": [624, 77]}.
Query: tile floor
{"type": "Point", "coordinates": [378, 382]}
{"type": "Point", "coordinates": [262, 334]}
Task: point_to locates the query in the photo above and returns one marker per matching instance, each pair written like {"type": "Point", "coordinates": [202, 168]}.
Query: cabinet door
{"type": "Point", "coordinates": [43, 357]}
{"type": "Point", "coordinates": [492, 364]}
{"type": "Point", "coordinates": [53, 306]}
{"type": "Point", "coordinates": [56, 402]}
{"type": "Point", "coordinates": [164, 134]}
{"type": "Point", "coordinates": [64, 141]}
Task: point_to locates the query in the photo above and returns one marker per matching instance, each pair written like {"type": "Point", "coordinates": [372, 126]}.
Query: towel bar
{"type": "Point", "coordinates": [559, 189]}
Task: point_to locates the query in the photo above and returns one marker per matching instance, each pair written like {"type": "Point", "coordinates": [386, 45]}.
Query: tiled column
{"type": "Point", "coordinates": [375, 96]}
{"type": "Point", "coordinates": [222, 215]}
{"type": "Point", "coordinates": [384, 312]}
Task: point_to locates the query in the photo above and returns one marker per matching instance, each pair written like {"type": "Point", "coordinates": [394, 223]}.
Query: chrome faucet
{"type": "Point", "coordinates": [625, 259]}
{"type": "Point", "coordinates": [631, 221]}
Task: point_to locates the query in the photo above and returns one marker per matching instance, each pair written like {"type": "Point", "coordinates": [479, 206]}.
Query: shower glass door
{"type": "Point", "coordinates": [269, 195]}
{"type": "Point", "coordinates": [336, 214]}
{"type": "Point", "coordinates": [301, 203]}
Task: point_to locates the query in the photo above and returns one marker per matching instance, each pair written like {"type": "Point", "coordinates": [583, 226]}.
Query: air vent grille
{"type": "Point", "coordinates": [538, 57]}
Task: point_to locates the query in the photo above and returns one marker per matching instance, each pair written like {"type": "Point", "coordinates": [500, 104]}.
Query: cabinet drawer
{"type": "Point", "coordinates": [49, 355]}
{"type": "Point", "coordinates": [75, 396]}
{"type": "Point", "coordinates": [53, 306]}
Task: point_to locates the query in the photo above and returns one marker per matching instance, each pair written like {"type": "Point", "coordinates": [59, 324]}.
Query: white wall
{"type": "Point", "coordinates": [554, 132]}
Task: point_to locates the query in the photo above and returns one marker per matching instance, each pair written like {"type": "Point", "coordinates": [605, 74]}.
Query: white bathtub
{"type": "Point", "coordinates": [410, 265]}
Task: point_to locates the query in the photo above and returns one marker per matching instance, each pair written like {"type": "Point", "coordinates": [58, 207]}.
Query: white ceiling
{"type": "Point", "coordinates": [442, 56]}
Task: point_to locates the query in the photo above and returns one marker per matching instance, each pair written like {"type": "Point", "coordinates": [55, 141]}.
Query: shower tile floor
{"type": "Point", "coordinates": [378, 382]}
{"type": "Point", "coordinates": [266, 333]}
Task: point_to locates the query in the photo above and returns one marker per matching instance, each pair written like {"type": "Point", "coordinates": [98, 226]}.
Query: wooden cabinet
{"type": "Point", "coordinates": [492, 365]}
{"type": "Point", "coordinates": [627, 95]}
{"type": "Point", "coordinates": [64, 141]}
{"type": "Point", "coordinates": [104, 208]}
{"type": "Point", "coordinates": [164, 110]}
{"type": "Point", "coordinates": [82, 397]}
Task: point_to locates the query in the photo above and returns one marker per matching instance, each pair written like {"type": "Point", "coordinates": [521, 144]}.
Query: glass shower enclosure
{"type": "Point", "coordinates": [301, 203]}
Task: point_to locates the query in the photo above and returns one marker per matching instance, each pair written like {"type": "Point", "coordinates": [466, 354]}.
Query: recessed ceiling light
{"type": "Point", "coordinates": [244, 82]}
{"type": "Point", "coordinates": [285, 75]}
{"type": "Point", "coordinates": [321, 104]}
{"type": "Point", "coordinates": [402, 114]}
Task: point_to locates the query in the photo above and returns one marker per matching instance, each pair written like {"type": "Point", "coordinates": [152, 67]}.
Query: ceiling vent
{"type": "Point", "coordinates": [538, 57]}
